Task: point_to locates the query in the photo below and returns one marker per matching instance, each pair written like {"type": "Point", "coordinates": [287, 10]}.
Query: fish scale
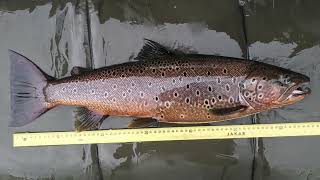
{"type": "Point", "coordinates": [161, 85]}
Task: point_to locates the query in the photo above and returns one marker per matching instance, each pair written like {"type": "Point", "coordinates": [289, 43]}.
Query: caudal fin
{"type": "Point", "coordinates": [27, 81]}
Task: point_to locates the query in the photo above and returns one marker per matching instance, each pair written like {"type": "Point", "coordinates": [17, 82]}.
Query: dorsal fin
{"type": "Point", "coordinates": [153, 50]}
{"type": "Point", "coordinates": [76, 70]}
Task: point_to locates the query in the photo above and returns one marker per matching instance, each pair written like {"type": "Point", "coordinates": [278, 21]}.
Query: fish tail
{"type": "Point", "coordinates": [27, 82]}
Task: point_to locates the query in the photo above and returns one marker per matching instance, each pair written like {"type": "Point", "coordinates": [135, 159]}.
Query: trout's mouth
{"type": "Point", "coordinates": [296, 93]}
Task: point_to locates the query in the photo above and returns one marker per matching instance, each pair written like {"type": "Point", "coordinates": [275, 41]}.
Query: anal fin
{"type": "Point", "coordinates": [228, 110]}
{"type": "Point", "coordinates": [143, 122]}
{"type": "Point", "coordinates": [86, 119]}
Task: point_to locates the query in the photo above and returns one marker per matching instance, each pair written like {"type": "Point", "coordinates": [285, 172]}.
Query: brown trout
{"type": "Point", "coordinates": [160, 85]}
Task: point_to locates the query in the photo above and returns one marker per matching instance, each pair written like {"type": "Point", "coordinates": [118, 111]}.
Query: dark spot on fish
{"type": "Point", "coordinates": [213, 100]}
{"type": "Point", "coordinates": [74, 90]}
{"type": "Point", "coordinates": [231, 100]}
{"type": "Point", "coordinates": [250, 98]}
{"type": "Point", "coordinates": [198, 79]}
{"type": "Point", "coordinates": [225, 71]}
{"type": "Point", "coordinates": [181, 116]}
{"type": "Point", "coordinates": [63, 89]}
{"type": "Point", "coordinates": [219, 97]}
{"type": "Point", "coordinates": [206, 101]}
{"type": "Point", "coordinates": [192, 68]}
{"type": "Point", "coordinates": [92, 91]}
{"type": "Point", "coordinates": [141, 94]}
{"type": "Point", "coordinates": [167, 104]}
{"type": "Point", "coordinates": [173, 81]}
{"type": "Point", "coordinates": [260, 87]}
{"type": "Point", "coordinates": [113, 73]}
{"type": "Point", "coordinates": [227, 87]}
{"type": "Point", "coordinates": [130, 70]}
{"type": "Point", "coordinates": [246, 94]}
{"type": "Point", "coordinates": [187, 100]}
{"type": "Point", "coordinates": [122, 75]}
{"type": "Point", "coordinates": [175, 94]}
{"type": "Point", "coordinates": [185, 74]}
{"type": "Point", "coordinates": [124, 94]}
{"type": "Point", "coordinates": [197, 92]}
{"type": "Point", "coordinates": [219, 80]}
{"type": "Point", "coordinates": [209, 88]}
{"type": "Point", "coordinates": [260, 96]}
{"type": "Point", "coordinates": [177, 68]}
{"type": "Point", "coordinates": [105, 94]}
{"type": "Point", "coordinates": [153, 70]}
{"type": "Point", "coordinates": [208, 73]}
{"type": "Point", "coordinates": [188, 86]}
{"type": "Point", "coordinates": [114, 86]}
{"type": "Point", "coordinates": [208, 107]}
{"type": "Point", "coordinates": [264, 78]}
{"type": "Point", "coordinates": [163, 88]}
{"type": "Point", "coordinates": [253, 80]}
{"type": "Point", "coordinates": [234, 80]}
{"type": "Point", "coordinates": [162, 74]}
{"type": "Point", "coordinates": [132, 84]}
{"type": "Point", "coordinates": [162, 116]}
{"type": "Point", "coordinates": [180, 79]}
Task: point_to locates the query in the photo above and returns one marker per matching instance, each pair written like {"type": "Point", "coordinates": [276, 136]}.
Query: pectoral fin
{"type": "Point", "coordinates": [142, 122]}
{"type": "Point", "coordinates": [87, 120]}
{"type": "Point", "coordinates": [227, 111]}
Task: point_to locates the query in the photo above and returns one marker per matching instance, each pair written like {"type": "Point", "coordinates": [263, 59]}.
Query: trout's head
{"type": "Point", "coordinates": [269, 86]}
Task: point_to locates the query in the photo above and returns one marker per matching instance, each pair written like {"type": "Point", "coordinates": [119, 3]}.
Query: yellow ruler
{"type": "Point", "coordinates": [166, 134]}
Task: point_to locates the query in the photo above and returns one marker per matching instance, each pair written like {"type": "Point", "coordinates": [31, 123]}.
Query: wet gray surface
{"type": "Point", "coordinates": [59, 35]}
